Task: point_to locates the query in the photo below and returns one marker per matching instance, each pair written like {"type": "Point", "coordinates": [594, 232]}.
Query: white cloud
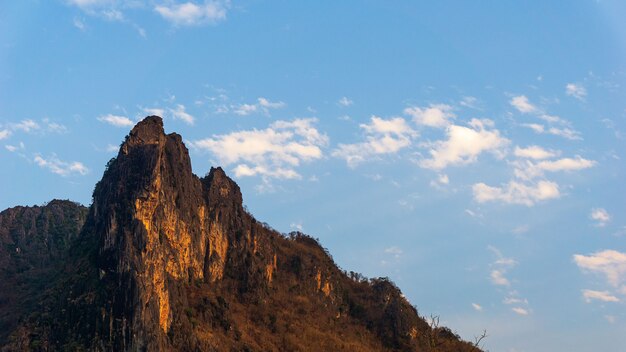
{"type": "Point", "coordinates": [538, 128]}
{"type": "Point", "coordinates": [604, 296]}
{"type": "Point", "coordinates": [534, 152]}
{"type": "Point", "coordinates": [384, 136]}
{"type": "Point", "coordinates": [465, 144]}
{"type": "Point", "coordinates": [436, 115]}
{"type": "Point", "coordinates": [180, 113]}
{"type": "Point", "coordinates": [264, 103]}
{"type": "Point", "coordinates": [191, 14]}
{"type": "Point", "coordinates": [609, 263]}
{"type": "Point", "coordinates": [566, 164]}
{"type": "Point", "coordinates": [442, 180]}
{"type": "Point", "coordinates": [600, 215]}
{"type": "Point", "coordinates": [274, 152]}
{"type": "Point", "coordinates": [577, 91]}
{"type": "Point", "coordinates": [477, 307]}
{"type": "Point", "coordinates": [520, 310]}
{"type": "Point", "coordinates": [4, 134]}
{"type": "Point", "coordinates": [116, 120]}
{"type": "Point", "coordinates": [60, 167]}
{"type": "Point", "coordinates": [516, 192]}
{"type": "Point", "coordinates": [344, 101]}
{"type": "Point", "coordinates": [522, 104]}
{"type": "Point", "coordinates": [154, 111]}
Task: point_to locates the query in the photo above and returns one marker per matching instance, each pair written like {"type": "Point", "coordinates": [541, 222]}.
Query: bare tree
{"type": "Point", "coordinates": [478, 340]}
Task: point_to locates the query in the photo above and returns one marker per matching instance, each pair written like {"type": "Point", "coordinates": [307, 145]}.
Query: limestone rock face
{"type": "Point", "coordinates": [167, 261]}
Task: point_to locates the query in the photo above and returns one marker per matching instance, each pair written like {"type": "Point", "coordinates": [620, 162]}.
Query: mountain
{"type": "Point", "coordinates": [166, 261]}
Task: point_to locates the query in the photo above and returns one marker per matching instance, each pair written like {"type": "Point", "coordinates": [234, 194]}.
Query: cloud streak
{"type": "Point", "coordinates": [192, 14]}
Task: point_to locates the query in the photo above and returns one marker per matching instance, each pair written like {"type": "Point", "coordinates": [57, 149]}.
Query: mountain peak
{"type": "Point", "coordinates": [147, 131]}
{"type": "Point", "coordinates": [168, 261]}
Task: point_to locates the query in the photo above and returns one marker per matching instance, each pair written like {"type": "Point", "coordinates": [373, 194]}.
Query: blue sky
{"type": "Point", "coordinates": [472, 153]}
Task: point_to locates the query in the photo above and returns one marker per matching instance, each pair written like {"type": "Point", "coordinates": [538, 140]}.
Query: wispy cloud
{"type": "Point", "coordinates": [245, 109]}
{"type": "Point", "coordinates": [477, 307]}
{"type": "Point", "coordinates": [179, 113]}
{"type": "Point", "coordinates": [522, 104]}
{"type": "Point", "coordinates": [470, 102]}
{"type": "Point", "coordinates": [576, 90]}
{"type": "Point", "coordinates": [79, 23]}
{"type": "Point", "coordinates": [31, 126]}
{"type": "Point", "coordinates": [262, 105]}
{"type": "Point", "coordinates": [266, 104]}
{"type": "Point", "coordinates": [498, 278]}
{"type": "Point", "coordinates": [59, 167]}
{"type": "Point", "coordinates": [564, 132]}
{"type": "Point", "coordinates": [26, 126]}
{"type": "Point", "coordinates": [500, 266]}
{"type": "Point", "coordinates": [604, 296]}
{"type": "Point", "coordinates": [15, 148]}
{"type": "Point", "coordinates": [601, 216]}
{"type": "Point", "coordinates": [534, 152]}
{"type": "Point", "coordinates": [556, 125]}
{"type": "Point", "coordinates": [344, 101]}
{"type": "Point", "coordinates": [192, 14]}
{"type": "Point", "coordinates": [5, 133]}
{"type": "Point", "coordinates": [383, 136]}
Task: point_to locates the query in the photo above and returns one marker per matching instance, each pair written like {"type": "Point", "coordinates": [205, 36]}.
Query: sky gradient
{"type": "Point", "coordinates": [472, 153]}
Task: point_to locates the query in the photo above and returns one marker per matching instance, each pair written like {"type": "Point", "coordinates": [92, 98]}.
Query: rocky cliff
{"type": "Point", "coordinates": [167, 261]}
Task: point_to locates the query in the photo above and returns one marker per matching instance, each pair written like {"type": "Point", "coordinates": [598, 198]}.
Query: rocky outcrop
{"type": "Point", "coordinates": [169, 261]}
